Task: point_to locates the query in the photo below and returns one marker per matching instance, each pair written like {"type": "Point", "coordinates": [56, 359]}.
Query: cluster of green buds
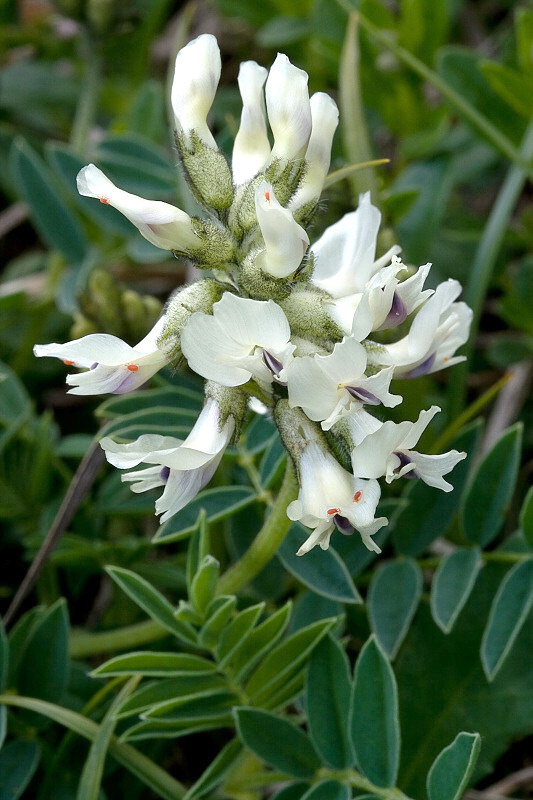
{"type": "Point", "coordinates": [316, 332]}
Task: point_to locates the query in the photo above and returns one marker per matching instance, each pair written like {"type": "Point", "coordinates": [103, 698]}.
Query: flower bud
{"type": "Point", "coordinates": [206, 171]}
{"type": "Point", "coordinates": [196, 76]}
{"type": "Point", "coordinates": [251, 149]}
{"type": "Point", "coordinates": [325, 117]}
{"type": "Point", "coordinates": [289, 111]}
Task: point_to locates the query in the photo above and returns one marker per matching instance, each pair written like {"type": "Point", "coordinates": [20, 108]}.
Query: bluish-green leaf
{"type": "Point", "coordinates": [54, 220]}
{"type": "Point", "coordinates": [204, 583]}
{"type": "Point", "coordinates": [294, 791]}
{"type": "Point", "coordinates": [47, 647]}
{"type": "Point", "coordinates": [526, 517]}
{"type": "Point", "coordinates": [323, 571]}
{"type": "Point", "coordinates": [429, 511]}
{"type": "Point", "coordinates": [508, 613]}
{"type": "Point", "coordinates": [393, 598]}
{"type": "Point", "coordinates": [374, 722]}
{"type": "Point", "coordinates": [272, 463]}
{"type": "Point", "coordinates": [278, 742]}
{"type": "Point", "coordinates": [160, 691]}
{"type": "Point", "coordinates": [281, 664]}
{"type": "Point", "coordinates": [194, 709]}
{"type": "Point", "coordinates": [165, 421]}
{"type": "Point", "coordinates": [176, 397]}
{"type": "Point", "coordinates": [328, 790]}
{"type": "Point", "coordinates": [259, 641]}
{"type": "Point", "coordinates": [234, 635]}
{"type": "Point", "coordinates": [491, 488]}
{"type": "Point", "coordinates": [450, 772]}
{"type": "Point", "coordinates": [327, 701]}
{"type": "Point", "coordinates": [453, 581]}
{"type": "Point", "coordinates": [152, 602]}
{"type": "Point", "coordinates": [218, 503]}
{"type": "Point", "coordinates": [18, 762]}
{"type": "Point", "coordinates": [217, 620]}
{"type": "Point", "coordinates": [155, 664]}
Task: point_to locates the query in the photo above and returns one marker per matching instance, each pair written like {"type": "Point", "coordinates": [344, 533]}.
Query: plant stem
{"type": "Point", "coordinates": [486, 257]}
{"type": "Point", "coordinates": [163, 784]}
{"type": "Point", "coordinates": [84, 644]}
{"type": "Point", "coordinates": [267, 541]}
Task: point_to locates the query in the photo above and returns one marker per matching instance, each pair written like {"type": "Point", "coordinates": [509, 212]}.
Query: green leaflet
{"type": "Point", "coordinates": [488, 495]}
{"type": "Point", "coordinates": [36, 186]}
{"type": "Point", "coordinates": [508, 613]}
{"type": "Point", "coordinates": [453, 581]}
{"type": "Point", "coordinates": [277, 742]}
{"type": "Point", "coordinates": [374, 721]}
{"type": "Point", "coordinates": [322, 571]}
{"type": "Point", "coordinates": [327, 701]}
{"type": "Point", "coordinates": [18, 762]}
{"type": "Point", "coordinates": [393, 598]}
{"type": "Point", "coordinates": [449, 775]}
{"type": "Point", "coordinates": [155, 664]}
{"type": "Point", "coordinates": [152, 602]}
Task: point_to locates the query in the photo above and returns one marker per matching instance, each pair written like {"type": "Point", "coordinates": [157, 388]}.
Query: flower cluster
{"type": "Point", "coordinates": [318, 332]}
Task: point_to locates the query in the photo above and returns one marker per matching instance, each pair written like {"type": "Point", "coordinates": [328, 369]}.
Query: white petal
{"type": "Point", "coordinates": [211, 353]}
{"type": "Point", "coordinates": [410, 290]}
{"type": "Point", "coordinates": [100, 348]}
{"type": "Point", "coordinates": [321, 536]}
{"type": "Point", "coordinates": [251, 149]}
{"type": "Point", "coordinates": [361, 424]}
{"type": "Point", "coordinates": [431, 468]}
{"type": "Point", "coordinates": [310, 389]}
{"type": "Point", "coordinates": [370, 458]}
{"type": "Point", "coordinates": [143, 480]}
{"type": "Point", "coordinates": [196, 76]}
{"type": "Point", "coordinates": [416, 429]}
{"type": "Point", "coordinates": [162, 224]}
{"type": "Point", "coordinates": [204, 443]}
{"type": "Point", "coordinates": [252, 323]}
{"type": "Point", "coordinates": [378, 385]}
{"type": "Point", "coordinates": [285, 240]}
{"type": "Point", "coordinates": [345, 251]}
{"type": "Point", "coordinates": [289, 110]}
{"type": "Point", "coordinates": [142, 449]}
{"type": "Point", "coordinates": [182, 487]}
{"type": "Point", "coordinates": [346, 363]}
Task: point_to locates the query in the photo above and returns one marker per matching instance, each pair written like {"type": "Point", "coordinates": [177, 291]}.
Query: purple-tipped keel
{"type": "Point", "coordinates": [272, 363]}
{"type": "Point", "coordinates": [165, 472]}
{"type": "Point", "coordinates": [422, 368]}
{"type": "Point", "coordinates": [343, 525]}
{"type": "Point", "coordinates": [363, 395]}
{"type": "Point", "coordinates": [397, 313]}
{"type": "Point", "coordinates": [404, 460]}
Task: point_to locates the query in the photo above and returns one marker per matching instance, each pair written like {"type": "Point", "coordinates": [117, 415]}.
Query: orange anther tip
{"type": "Point", "coordinates": [267, 197]}
{"type": "Point", "coordinates": [332, 511]}
{"type": "Point", "coordinates": [104, 200]}
{"type": "Point", "coordinates": [133, 367]}
{"type": "Point", "coordinates": [68, 363]}
{"type": "Point", "coordinates": [357, 496]}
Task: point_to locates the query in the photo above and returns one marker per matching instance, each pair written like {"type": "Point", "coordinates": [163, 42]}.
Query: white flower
{"type": "Point", "coordinates": [196, 77]}
{"type": "Point", "coordinates": [112, 365]}
{"type": "Point", "coordinates": [182, 467]}
{"type": "Point", "coordinates": [289, 110]}
{"type": "Point", "coordinates": [345, 253]}
{"type": "Point", "coordinates": [285, 240]}
{"type": "Point", "coordinates": [243, 339]}
{"type": "Point", "coordinates": [162, 224]}
{"type": "Point", "coordinates": [325, 118]}
{"type": "Point", "coordinates": [439, 328]}
{"type": "Point", "coordinates": [251, 149]}
{"type": "Point", "coordinates": [329, 387]}
{"type": "Point", "coordinates": [388, 451]}
{"type": "Point", "coordinates": [330, 497]}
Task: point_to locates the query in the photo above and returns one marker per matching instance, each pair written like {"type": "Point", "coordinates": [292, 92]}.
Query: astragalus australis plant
{"type": "Point", "coordinates": [313, 335]}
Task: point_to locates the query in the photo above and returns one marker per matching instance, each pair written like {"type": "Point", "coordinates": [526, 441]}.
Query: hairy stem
{"type": "Point", "coordinates": [267, 541]}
